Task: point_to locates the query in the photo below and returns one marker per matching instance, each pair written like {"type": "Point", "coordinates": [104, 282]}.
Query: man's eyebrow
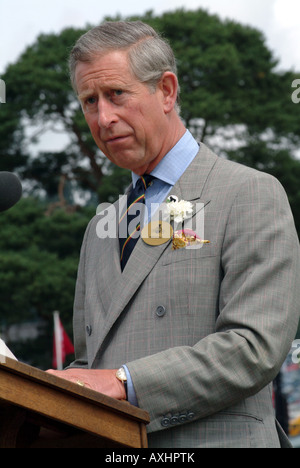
{"type": "Point", "coordinates": [85, 94]}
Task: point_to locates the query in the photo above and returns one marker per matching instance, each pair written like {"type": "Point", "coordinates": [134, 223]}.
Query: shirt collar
{"type": "Point", "coordinates": [176, 161]}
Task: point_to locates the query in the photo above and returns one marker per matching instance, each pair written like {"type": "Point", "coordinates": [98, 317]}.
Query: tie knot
{"type": "Point", "coordinates": [144, 182]}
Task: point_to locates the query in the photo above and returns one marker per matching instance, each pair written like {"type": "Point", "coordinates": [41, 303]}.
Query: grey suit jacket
{"type": "Point", "coordinates": [203, 332]}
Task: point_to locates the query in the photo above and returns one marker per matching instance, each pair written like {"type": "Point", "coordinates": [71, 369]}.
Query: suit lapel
{"type": "Point", "coordinates": [192, 182]}
{"type": "Point", "coordinates": [145, 257]}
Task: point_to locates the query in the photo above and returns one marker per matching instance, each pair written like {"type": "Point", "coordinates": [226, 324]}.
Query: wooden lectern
{"type": "Point", "coordinates": [40, 410]}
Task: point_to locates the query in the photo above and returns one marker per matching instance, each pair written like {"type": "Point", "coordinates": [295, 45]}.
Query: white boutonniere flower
{"type": "Point", "coordinates": [178, 211]}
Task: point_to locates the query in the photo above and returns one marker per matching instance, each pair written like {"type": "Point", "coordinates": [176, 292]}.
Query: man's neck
{"type": "Point", "coordinates": [176, 132]}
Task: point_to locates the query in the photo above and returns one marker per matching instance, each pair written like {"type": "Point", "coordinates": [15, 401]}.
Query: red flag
{"type": "Point", "coordinates": [62, 345]}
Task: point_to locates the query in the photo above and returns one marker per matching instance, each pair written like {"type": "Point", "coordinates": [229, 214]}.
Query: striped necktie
{"type": "Point", "coordinates": [136, 196]}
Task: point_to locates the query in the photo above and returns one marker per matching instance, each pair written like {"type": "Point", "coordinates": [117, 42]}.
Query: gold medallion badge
{"type": "Point", "coordinates": [157, 233]}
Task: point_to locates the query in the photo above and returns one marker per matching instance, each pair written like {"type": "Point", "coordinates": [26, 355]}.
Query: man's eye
{"type": "Point", "coordinates": [91, 100]}
{"type": "Point", "coordinates": [118, 92]}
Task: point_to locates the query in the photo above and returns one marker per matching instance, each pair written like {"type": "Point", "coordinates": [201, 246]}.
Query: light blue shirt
{"type": "Point", "coordinates": [167, 173]}
{"type": "Point", "coordinates": [169, 170]}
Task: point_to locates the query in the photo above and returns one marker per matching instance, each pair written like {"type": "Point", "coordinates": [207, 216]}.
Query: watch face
{"type": "Point", "coordinates": [121, 374]}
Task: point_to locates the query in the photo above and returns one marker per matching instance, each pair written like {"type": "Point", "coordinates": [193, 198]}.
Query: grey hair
{"type": "Point", "coordinates": [150, 55]}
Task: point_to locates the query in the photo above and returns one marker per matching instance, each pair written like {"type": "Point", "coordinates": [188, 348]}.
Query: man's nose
{"type": "Point", "coordinates": [106, 114]}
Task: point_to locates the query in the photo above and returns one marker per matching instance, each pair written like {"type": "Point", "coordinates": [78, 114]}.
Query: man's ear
{"type": "Point", "coordinates": [169, 87]}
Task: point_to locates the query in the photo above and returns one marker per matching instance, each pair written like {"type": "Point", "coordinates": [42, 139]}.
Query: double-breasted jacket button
{"type": "Point", "coordinates": [160, 311]}
{"type": "Point", "coordinates": [89, 330]}
{"type": "Point", "coordinates": [183, 418]}
{"type": "Point", "coordinates": [174, 420]}
{"type": "Point", "coordinates": [165, 422]}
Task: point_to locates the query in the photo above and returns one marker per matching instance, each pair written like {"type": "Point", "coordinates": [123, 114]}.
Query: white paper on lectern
{"type": "Point", "coordinates": [5, 351]}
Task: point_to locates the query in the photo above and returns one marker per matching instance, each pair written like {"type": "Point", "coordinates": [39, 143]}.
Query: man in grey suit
{"type": "Point", "coordinates": [199, 333]}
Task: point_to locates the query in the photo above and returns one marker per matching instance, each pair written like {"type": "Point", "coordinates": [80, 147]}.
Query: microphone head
{"type": "Point", "coordinates": [10, 190]}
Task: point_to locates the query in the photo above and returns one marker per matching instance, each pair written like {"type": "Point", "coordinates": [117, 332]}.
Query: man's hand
{"type": "Point", "coordinates": [103, 381]}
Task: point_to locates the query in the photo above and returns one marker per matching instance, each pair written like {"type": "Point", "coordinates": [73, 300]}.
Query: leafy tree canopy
{"type": "Point", "coordinates": [39, 259]}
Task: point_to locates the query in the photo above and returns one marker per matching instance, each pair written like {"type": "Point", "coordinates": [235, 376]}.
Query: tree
{"type": "Point", "coordinates": [39, 96]}
{"type": "Point", "coordinates": [39, 261]}
{"type": "Point", "coordinates": [227, 75]}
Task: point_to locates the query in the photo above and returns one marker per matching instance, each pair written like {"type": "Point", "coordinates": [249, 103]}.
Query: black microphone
{"type": "Point", "coordinates": [10, 190]}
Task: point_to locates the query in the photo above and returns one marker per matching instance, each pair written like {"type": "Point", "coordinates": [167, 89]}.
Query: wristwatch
{"type": "Point", "coordinates": [121, 375]}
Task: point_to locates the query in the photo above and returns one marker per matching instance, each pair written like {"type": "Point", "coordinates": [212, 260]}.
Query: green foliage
{"type": "Point", "coordinates": [113, 184]}
{"type": "Point", "coordinates": [227, 73]}
{"type": "Point", "coordinates": [39, 260]}
{"type": "Point", "coordinates": [39, 96]}
{"type": "Point", "coordinates": [37, 81]}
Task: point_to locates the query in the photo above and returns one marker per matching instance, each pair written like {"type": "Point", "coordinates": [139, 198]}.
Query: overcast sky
{"type": "Point", "coordinates": [21, 21]}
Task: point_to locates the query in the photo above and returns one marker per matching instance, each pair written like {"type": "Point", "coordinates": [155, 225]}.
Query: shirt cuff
{"type": "Point", "coordinates": [131, 396]}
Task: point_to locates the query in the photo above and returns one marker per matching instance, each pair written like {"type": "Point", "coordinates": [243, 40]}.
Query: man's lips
{"type": "Point", "coordinates": [116, 139]}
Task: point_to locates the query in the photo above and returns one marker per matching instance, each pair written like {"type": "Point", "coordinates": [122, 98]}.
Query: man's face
{"type": "Point", "coordinates": [128, 121]}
